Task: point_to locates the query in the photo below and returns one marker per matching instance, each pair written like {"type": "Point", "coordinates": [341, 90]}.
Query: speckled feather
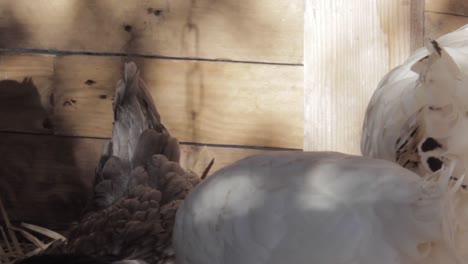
{"type": "Point", "coordinates": [138, 187]}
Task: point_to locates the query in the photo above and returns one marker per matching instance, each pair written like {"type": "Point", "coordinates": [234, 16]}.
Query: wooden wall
{"type": "Point", "coordinates": [359, 41]}
{"type": "Point", "coordinates": [349, 47]}
{"type": "Point", "coordinates": [442, 16]}
{"type": "Point", "coordinates": [227, 77]}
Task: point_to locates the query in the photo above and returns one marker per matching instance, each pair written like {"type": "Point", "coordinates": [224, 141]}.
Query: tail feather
{"type": "Point", "coordinates": [134, 112]}
{"type": "Point", "coordinates": [139, 184]}
{"type": "Point", "coordinates": [137, 135]}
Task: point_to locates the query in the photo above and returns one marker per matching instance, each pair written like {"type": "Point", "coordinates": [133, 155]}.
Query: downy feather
{"type": "Point", "coordinates": [138, 186]}
{"type": "Point", "coordinates": [418, 116]}
{"type": "Point", "coordinates": [302, 208]}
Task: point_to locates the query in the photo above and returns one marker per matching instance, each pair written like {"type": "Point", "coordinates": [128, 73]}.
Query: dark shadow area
{"type": "Point", "coordinates": [21, 108]}
{"type": "Point", "coordinates": [39, 179]}
{"type": "Point", "coordinates": [12, 33]}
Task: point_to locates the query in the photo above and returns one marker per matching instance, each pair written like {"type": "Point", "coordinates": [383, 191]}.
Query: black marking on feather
{"type": "Point", "coordinates": [464, 186]}
{"type": "Point", "coordinates": [411, 164]}
{"type": "Point", "coordinates": [423, 58]}
{"type": "Point", "coordinates": [430, 144]}
{"type": "Point", "coordinates": [435, 108]}
{"type": "Point", "coordinates": [434, 163]}
{"type": "Point", "coordinates": [398, 141]}
{"type": "Point", "coordinates": [403, 145]}
{"type": "Point", "coordinates": [414, 132]}
{"type": "Point", "coordinates": [437, 47]}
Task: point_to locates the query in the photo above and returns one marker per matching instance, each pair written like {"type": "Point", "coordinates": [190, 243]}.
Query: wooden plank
{"type": "Point", "coordinates": [242, 30]}
{"type": "Point", "coordinates": [47, 179]}
{"type": "Point", "coordinates": [25, 83]}
{"type": "Point", "coordinates": [437, 24]}
{"type": "Point", "coordinates": [197, 158]}
{"type": "Point", "coordinates": [207, 102]}
{"type": "Point", "coordinates": [417, 24]}
{"type": "Point", "coordinates": [454, 7]}
{"type": "Point", "coordinates": [349, 47]}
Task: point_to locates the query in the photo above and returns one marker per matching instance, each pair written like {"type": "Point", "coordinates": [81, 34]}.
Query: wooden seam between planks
{"type": "Point", "coordinates": [135, 55]}
{"type": "Point", "coordinates": [437, 24]}
{"type": "Point", "coordinates": [245, 31]}
{"type": "Point", "coordinates": [449, 7]}
{"type": "Point", "coordinates": [259, 105]}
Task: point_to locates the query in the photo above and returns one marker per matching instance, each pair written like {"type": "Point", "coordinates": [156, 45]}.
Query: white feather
{"type": "Point", "coordinates": [302, 208]}
{"type": "Point", "coordinates": [429, 92]}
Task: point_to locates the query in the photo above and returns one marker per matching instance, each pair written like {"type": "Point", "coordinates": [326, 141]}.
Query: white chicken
{"type": "Point", "coordinates": [318, 207]}
{"type": "Point", "coordinates": [293, 207]}
{"type": "Point", "coordinates": [418, 115]}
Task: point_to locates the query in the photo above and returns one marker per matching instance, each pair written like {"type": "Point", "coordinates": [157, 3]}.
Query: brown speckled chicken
{"type": "Point", "coordinates": [138, 187]}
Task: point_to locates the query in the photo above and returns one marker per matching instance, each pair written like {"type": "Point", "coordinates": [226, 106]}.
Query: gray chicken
{"type": "Point", "coordinates": [138, 187]}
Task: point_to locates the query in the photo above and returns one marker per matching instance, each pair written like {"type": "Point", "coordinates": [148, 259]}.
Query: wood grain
{"type": "Point", "coordinates": [349, 46]}
{"type": "Point", "coordinates": [437, 24]}
{"type": "Point", "coordinates": [416, 24]}
{"type": "Point", "coordinates": [204, 102]}
{"type": "Point", "coordinates": [240, 30]}
{"type": "Point", "coordinates": [25, 85]}
{"type": "Point", "coordinates": [455, 7]}
{"type": "Point", "coordinates": [46, 179]}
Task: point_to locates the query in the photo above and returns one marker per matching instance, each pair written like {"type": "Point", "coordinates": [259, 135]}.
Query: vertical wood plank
{"type": "Point", "coordinates": [349, 47]}
{"type": "Point", "coordinates": [417, 24]}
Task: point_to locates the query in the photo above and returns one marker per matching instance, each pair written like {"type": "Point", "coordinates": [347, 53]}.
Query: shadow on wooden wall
{"type": "Point", "coordinates": [28, 187]}
{"type": "Point", "coordinates": [225, 73]}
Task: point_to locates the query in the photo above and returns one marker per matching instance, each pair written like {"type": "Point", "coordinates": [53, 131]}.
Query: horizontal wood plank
{"type": "Point", "coordinates": [241, 30]}
{"type": "Point", "coordinates": [207, 102]}
{"type": "Point", "coordinates": [454, 7]}
{"type": "Point", "coordinates": [436, 24]}
{"type": "Point", "coordinates": [46, 179]}
{"type": "Point", "coordinates": [23, 106]}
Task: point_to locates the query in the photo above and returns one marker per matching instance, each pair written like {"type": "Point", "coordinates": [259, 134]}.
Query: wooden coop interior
{"type": "Point", "coordinates": [230, 78]}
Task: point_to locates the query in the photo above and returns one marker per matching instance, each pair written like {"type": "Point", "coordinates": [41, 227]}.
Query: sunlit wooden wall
{"type": "Point", "coordinates": [224, 74]}
{"type": "Point", "coordinates": [349, 47]}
